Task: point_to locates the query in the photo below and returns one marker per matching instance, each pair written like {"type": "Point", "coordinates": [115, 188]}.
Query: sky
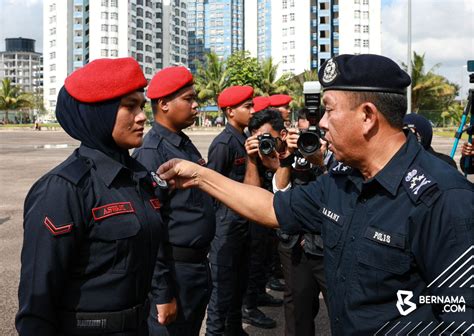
{"type": "Point", "coordinates": [442, 30]}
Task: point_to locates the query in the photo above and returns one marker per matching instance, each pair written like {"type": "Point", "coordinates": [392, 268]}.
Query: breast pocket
{"type": "Point", "coordinates": [331, 232]}
{"type": "Point", "coordinates": [117, 242]}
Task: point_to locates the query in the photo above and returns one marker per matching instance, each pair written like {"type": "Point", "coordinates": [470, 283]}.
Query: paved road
{"type": "Point", "coordinates": [24, 157]}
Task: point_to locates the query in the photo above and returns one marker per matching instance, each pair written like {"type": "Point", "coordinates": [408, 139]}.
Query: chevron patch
{"type": "Point", "coordinates": [56, 230]}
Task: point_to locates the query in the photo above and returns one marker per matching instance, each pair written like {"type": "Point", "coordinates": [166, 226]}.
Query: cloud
{"type": "Point", "coordinates": [21, 18]}
{"type": "Point", "coordinates": [442, 30]}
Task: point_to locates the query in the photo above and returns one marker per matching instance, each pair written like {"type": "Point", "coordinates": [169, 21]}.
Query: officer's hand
{"type": "Point", "coordinates": [251, 147]}
{"type": "Point", "coordinates": [179, 173]}
{"type": "Point", "coordinates": [466, 149]}
{"type": "Point", "coordinates": [167, 312]}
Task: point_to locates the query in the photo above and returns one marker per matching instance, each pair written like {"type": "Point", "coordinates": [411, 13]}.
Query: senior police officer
{"type": "Point", "coordinates": [229, 250]}
{"type": "Point", "coordinates": [188, 214]}
{"type": "Point", "coordinates": [92, 227]}
{"type": "Point", "coordinates": [396, 223]}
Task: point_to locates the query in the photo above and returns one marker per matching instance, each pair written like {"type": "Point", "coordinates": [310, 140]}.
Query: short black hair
{"type": "Point", "coordinates": [393, 106]}
{"type": "Point", "coordinates": [303, 113]}
{"type": "Point", "coordinates": [267, 116]}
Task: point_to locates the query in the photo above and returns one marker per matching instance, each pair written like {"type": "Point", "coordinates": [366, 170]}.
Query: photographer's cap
{"type": "Point", "coordinates": [366, 72]}
{"type": "Point", "coordinates": [168, 81]}
{"type": "Point", "coordinates": [260, 103]}
{"type": "Point", "coordinates": [234, 95]}
{"type": "Point", "coordinates": [280, 100]}
{"type": "Point", "coordinates": [105, 79]}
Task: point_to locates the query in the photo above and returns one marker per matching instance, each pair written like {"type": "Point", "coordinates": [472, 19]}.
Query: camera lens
{"type": "Point", "coordinates": [308, 143]}
{"type": "Point", "coordinates": [266, 146]}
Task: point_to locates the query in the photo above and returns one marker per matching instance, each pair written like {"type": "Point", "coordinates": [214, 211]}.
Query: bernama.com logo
{"type": "Point", "coordinates": [450, 304]}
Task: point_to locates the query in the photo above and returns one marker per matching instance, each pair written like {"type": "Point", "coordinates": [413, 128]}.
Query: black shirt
{"type": "Point", "coordinates": [188, 213]}
{"type": "Point", "coordinates": [92, 229]}
{"type": "Point", "coordinates": [396, 232]}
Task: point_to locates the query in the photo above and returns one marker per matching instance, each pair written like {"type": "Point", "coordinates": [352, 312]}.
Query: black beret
{"type": "Point", "coordinates": [364, 72]}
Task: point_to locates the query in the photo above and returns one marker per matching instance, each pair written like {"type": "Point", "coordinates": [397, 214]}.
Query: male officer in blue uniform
{"type": "Point", "coordinates": [188, 214]}
{"type": "Point", "coordinates": [92, 224]}
{"type": "Point", "coordinates": [229, 251]}
{"type": "Point", "coordinates": [397, 223]}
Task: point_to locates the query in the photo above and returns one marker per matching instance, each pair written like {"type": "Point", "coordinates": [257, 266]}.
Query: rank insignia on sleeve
{"type": "Point", "coordinates": [416, 182]}
{"type": "Point", "coordinates": [340, 168]}
{"type": "Point", "coordinates": [56, 230]}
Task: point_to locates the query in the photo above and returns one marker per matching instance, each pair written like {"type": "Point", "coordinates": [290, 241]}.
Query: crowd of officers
{"type": "Point", "coordinates": [112, 249]}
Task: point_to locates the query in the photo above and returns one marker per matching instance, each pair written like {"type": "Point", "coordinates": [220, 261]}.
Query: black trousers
{"type": "Point", "coordinates": [229, 282]}
{"type": "Point", "coordinates": [305, 280]}
{"type": "Point", "coordinates": [193, 283]}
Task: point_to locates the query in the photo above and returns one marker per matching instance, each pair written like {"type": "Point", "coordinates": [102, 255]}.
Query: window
{"type": "Point", "coordinates": [365, 15]}
{"type": "Point", "coordinates": [52, 31]}
{"type": "Point", "coordinates": [104, 15]}
{"type": "Point", "coordinates": [139, 23]}
{"type": "Point", "coordinates": [148, 48]}
{"type": "Point", "coordinates": [114, 40]}
{"type": "Point", "coordinates": [285, 46]}
{"type": "Point", "coordinates": [52, 67]}
{"type": "Point", "coordinates": [52, 55]}
{"type": "Point", "coordinates": [292, 58]}
{"type": "Point", "coordinates": [114, 53]}
{"type": "Point", "coordinates": [52, 43]}
{"type": "Point", "coordinates": [148, 26]}
{"type": "Point", "coordinates": [365, 43]}
{"type": "Point", "coordinates": [357, 43]}
{"type": "Point", "coordinates": [113, 3]}
{"type": "Point", "coordinates": [292, 44]}
{"type": "Point", "coordinates": [292, 3]}
{"type": "Point", "coordinates": [365, 29]}
{"type": "Point", "coordinates": [284, 18]}
{"type": "Point", "coordinates": [52, 79]}
{"type": "Point", "coordinates": [365, 2]}
{"type": "Point", "coordinates": [148, 59]}
{"type": "Point", "coordinates": [139, 45]}
{"type": "Point", "coordinates": [139, 12]}
{"type": "Point", "coordinates": [114, 28]}
{"type": "Point", "coordinates": [292, 30]}
{"type": "Point", "coordinates": [284, 4]}
{"type": "Point", "coordinates": [285, 31]}
{"type": "Point", "coordinates": [357, 28]}
{"type": "Point", "coordinates": [139, 57]}
{"type": "Point", "coordinates": [148, 15]}
{"type": "Point", "coordinates": [285, 59]}
{"type": "Point", "coordinates": [114, 16]}
{"type": "Point", "coordinates": [104, 53]}
{"type": "Point", "coordinates": [104, 40]}
{"type": "Point", "coordinates": [104, 27]}
{"type": "Point", "coordinates": [357, 2]}
{"type": "Point", "coordinates": [292, 16]}
{"type": "Point", "coordinates": [52, 7]}
{"type": "Point", "coordinates": [52, 19]}
{"type": "Point", "coordinates": [357, 14]}
{"type": "Point", "coordinates": [104, 3]}
{"type": "Point", "coordinates": [52, 92]}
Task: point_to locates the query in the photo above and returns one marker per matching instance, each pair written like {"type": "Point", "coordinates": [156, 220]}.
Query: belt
{"type": "Point", "coordinates": [84, 323]}
{"type": "Point", "coordinates": [188, 254]}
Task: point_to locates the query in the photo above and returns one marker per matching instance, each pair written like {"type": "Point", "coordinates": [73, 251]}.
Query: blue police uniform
{"type": "Point", "coordinates": [190, 221]}
{"type": "Point", "coordinates": [399, 230]}
{"type": "Point", "coordinates": [229, 249]}
{"type": "Point", "coordinates": [96, 229]}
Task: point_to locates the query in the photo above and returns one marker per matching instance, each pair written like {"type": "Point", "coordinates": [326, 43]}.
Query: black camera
{"type": "Point", "coordinates": [266, 143]}
{"type": "Point", "coordinates": [308, 142]}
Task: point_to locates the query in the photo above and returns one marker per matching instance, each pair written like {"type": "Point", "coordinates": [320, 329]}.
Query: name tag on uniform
{"type": "Point", "coordinates": [330, 214]}
{"type": "Point", "coordinates": [239, 161]}
{"type": "Point", "coordinates": [383, 237]}
{"type": "Point", "coordinates": [112, 209]}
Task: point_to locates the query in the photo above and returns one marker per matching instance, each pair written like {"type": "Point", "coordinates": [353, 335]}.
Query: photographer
{"type": "Point", "coordinates": [302, 253]}
{"type": "Point", "coordinates": [268, 133]}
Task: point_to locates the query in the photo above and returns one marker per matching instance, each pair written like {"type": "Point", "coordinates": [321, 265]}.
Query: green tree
{"type": "Point", "coordinates": [12, 99]}
{"type": "Point", "coordinates": [431, 93]}
{"type": "Point", "coordinates": [242, 69]}
{"type": "Point", "coordinates": [270, 84]}
{"type": "Point", "coordinates": [210, 79]}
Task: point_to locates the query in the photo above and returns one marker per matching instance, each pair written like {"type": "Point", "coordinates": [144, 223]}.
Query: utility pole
{"type": "Point", "coordinates": [409, 57]}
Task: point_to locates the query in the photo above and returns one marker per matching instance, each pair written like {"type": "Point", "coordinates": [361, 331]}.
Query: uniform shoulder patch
{"type": "Point", "coordinates": [339, 169]}
{"type": "Point", "coordinates": [75, 170]}
{"type": "Point", "coordinates": [416, 182]}
{"type": "Point", "coordinates": [56, 230]}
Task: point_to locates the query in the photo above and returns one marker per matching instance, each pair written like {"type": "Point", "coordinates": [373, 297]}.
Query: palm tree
{"type": "Point", "coordinates": [429, 90]}
{"type": "Point", "coordinates": [210, 79]}
{"type": "Point", "coordinates": [12, 99]}
{"type": "Point", "coordinates": [270, 85]}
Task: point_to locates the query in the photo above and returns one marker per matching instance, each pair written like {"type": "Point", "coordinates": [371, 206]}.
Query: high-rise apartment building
{"type": "Point", "coordinates": [22, 65]}
{"type": "Point", "coordinates": [302, 34]}
{"type": "Point", "coordinates": [79, 31]}
{"type": "Point", "coordinates": [217, 26]}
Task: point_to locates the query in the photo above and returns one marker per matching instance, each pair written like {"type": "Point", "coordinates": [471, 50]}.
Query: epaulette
{"type": "Point", "coordinates": [152, 140]}
{"type": "Point", "coordinates": [224, 137]}
{"type": "Point", "coordinates": [338, 168]}
{"type": "Point", "coordinates": [75, 170]}
{"type": "Point", "coordinates": [420, 186]}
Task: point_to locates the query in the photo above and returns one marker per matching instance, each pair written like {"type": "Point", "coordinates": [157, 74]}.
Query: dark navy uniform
{"type": "Point", "coordinates": [229, 249]}
{"type": "Point", "coordinates": [92, 231]}
{"type": "Point", "coordinates": [301, 256]}
{"type": "Point", "coordinates": [398, 231]}
{"type": "Point", "coordinates": [189, 217]}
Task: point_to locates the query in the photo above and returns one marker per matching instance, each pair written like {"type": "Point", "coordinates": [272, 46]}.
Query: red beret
{"type": "Point", "coordinates": [105, 79]}
{"type": "Point", "coordinates": [234, 95]}
{"type": "Point", "coordinates": [169, 80]}
{"type": "Point", "coordinates": [261, 103]}
{"type": "Point", "coordinates": [280, 100]}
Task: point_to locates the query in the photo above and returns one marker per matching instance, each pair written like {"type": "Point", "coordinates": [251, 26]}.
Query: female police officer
{"type": "Point", "coordinates": [91, 225]}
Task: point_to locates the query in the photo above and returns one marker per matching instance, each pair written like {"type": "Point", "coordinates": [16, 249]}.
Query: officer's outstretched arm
{"type": "Point", "coordinates": [251, 202]}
